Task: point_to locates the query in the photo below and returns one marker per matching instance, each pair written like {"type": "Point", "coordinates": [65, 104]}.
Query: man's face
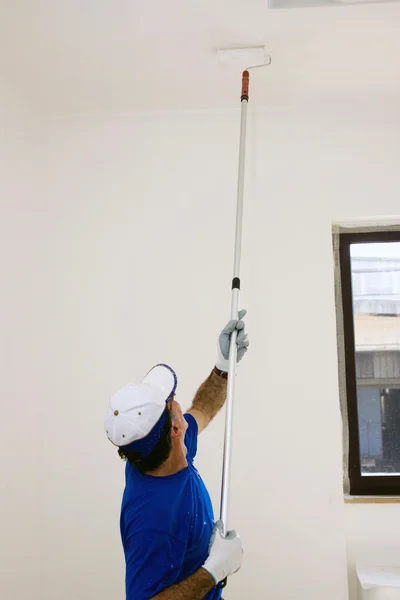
{"type": "Point", "coordinates": [179, 425]}
{"type": "Point", "coordinates": [179, 419]}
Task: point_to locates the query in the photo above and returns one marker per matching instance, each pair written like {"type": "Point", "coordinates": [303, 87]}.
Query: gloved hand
{"type": "Point", "coordinates": [225, 553]}
{"type": "Point", "coordinates": [224, 341]}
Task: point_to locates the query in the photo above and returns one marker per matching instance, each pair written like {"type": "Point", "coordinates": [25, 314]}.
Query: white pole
{"type": "Point", "coordinates": [234, 306]}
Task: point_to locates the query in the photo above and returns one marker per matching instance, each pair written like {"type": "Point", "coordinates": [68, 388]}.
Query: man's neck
{"type": "Point", "coordinates": [176, 462]}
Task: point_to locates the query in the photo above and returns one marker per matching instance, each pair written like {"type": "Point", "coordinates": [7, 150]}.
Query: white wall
{"type": "Point", "coordinates": [137, 216]}
{"type": "Point", "coordinates": [21, 323]}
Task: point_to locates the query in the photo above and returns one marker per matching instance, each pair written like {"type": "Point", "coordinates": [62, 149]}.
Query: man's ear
{"type": "Point", "coordinates": [176, 430]}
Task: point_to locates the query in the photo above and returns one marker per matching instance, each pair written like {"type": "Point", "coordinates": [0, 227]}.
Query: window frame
{"type": "Point", "coordinates": [360, 485]}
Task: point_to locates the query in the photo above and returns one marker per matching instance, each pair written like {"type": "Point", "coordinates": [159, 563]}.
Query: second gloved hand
{"type": "Point", "coordinates": [225, 553]}
{"type": "Point", "coordinates": [224, 342]}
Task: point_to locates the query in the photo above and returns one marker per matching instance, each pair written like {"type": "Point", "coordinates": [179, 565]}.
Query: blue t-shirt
{"type": "Point", "coordinates": [166, 526]}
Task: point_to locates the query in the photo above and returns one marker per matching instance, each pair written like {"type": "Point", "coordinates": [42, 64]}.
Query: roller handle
{"type": "Point", "coordinates": [245, 85]}
{"type": "Point", "coordinates": [234, 309]}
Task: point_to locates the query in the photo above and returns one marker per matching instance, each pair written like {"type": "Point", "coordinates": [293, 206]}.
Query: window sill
{"type": "Point", "coordinates": [372, 499]}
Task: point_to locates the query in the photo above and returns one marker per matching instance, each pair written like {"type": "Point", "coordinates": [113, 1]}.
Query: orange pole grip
{"type": "Point", "coordinates": [245, 85]}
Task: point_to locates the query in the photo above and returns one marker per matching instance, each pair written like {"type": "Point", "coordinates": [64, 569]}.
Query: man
{"type": "Point", "coordinates": [172, 549]}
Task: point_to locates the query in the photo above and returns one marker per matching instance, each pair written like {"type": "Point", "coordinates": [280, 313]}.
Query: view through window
{"type": "Point", "coordinates": [370, 288]}
{"type": "Point", "coordinates": [375, 273]}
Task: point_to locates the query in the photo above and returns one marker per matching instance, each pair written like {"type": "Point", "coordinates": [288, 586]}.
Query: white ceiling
{"type": "Point", "coordinates": [125, 55]}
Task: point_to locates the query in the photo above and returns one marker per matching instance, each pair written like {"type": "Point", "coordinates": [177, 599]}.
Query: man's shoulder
{"type": "Point", "coordinates": [164, 496]}
{"type": "Point", "coordinates": [191, 436]}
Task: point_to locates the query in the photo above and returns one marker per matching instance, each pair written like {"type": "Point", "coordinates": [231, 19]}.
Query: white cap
{"type": "Point", "coordinates": [136, 409]}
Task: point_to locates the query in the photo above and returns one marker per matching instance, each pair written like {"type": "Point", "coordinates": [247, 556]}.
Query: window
{"type": "Point", "coordinates": [370, 294]}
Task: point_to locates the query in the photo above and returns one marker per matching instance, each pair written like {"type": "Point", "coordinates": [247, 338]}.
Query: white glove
{"type": "Point", "coordinates": [225, 339]}
{"type": "Point", "coordinates": [225, 553]}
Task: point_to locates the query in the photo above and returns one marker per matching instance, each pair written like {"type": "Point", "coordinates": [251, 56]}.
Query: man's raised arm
{"type": "Point", "coordinates": [211, 395]}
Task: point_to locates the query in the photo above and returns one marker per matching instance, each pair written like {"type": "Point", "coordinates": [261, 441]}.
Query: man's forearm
{"type": "Point", "coordinates": [194, 587]}
{"type": "Point", "coordinates": [211, 395]}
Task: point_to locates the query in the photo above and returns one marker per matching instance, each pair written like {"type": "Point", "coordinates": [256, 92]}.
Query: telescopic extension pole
{"type": "Point", "coordinates": [234, 304]}
{"type": "Point", "coordinates": [226, 471]}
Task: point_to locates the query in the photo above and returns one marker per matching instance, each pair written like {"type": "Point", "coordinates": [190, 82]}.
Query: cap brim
{"type": "Point", "coordinates": [163, 377]}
